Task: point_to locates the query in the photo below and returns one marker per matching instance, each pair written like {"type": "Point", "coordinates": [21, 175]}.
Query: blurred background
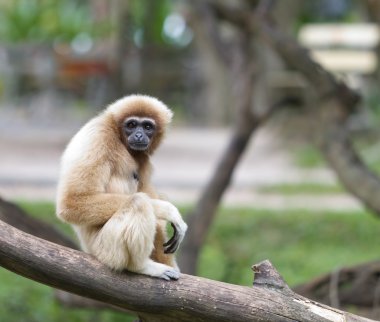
{"type": "Point", "coordinates": [63, 61]}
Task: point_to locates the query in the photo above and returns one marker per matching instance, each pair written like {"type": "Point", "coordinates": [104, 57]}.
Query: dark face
{"type": "Point", "coordinates": [139, 132]}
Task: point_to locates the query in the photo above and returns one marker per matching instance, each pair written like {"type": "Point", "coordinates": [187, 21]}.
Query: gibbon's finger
{"type": "Point", "coordinates": [172, 247]}
{"type": "Point", "coordinates": [173, 244]}
{"type": "Point", "coordinates": [172, 250]}
{"type": "Point", "coordinates": [173, 237]}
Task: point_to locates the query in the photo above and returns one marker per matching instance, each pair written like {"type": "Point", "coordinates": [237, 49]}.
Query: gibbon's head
{"type": "Point", "coordinates": [141, 121]}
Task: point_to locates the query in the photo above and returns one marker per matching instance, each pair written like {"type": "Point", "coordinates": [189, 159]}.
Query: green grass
{"type": "Point", "coordinates": [301, 244]}
{"type": "Point", "coordinates": [301, 188]}
{"type": "Point", "coordinates": [308, 156]}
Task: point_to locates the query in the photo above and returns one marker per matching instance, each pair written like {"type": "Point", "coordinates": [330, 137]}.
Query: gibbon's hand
{"type": "Point", "coordinates": [173, 243]}
{"type": "Point", "coordinates": [166, 211]}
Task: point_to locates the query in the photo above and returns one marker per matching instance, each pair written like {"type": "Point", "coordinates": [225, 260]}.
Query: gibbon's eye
{"type": "Point", "coordinates": [131, 124]}
{"type": "Point", "coordinates": [148, 126]}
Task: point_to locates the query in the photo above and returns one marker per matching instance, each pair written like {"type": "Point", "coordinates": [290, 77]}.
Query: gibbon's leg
{"type": "Point", "coordinates": [126, 240]}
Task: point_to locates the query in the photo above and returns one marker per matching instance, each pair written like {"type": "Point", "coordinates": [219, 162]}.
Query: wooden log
{"type": "Point", "coordinates": [188, 299]}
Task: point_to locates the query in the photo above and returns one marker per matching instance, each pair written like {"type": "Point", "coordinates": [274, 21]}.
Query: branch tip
{"type": "Point", "coordinates": [265, 275]}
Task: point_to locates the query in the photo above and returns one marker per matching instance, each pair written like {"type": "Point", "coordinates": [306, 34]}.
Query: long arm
{"type": "Point", "coordinates": [84, 193]}
{"type": "Point", "coordinates": [91, 209]}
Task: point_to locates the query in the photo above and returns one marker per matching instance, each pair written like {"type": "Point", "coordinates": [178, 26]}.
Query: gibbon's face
{"type": "Point", "coordinates": [139, 132]}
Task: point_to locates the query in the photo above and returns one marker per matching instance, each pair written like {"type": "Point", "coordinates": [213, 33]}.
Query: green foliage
{"type": "Point", "coordinates": [46, 20]}
{"type": "Point", "coordinates": [148, 19]}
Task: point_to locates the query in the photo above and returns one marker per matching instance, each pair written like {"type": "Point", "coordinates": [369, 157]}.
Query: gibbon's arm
{"type": "Point", "coordinates": [93, 209]}
{"type": "Point", "coordinates": [82, 196]}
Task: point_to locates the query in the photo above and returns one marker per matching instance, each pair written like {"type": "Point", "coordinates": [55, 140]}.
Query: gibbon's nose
{"type": "Point", "coordinates": [138, 136]}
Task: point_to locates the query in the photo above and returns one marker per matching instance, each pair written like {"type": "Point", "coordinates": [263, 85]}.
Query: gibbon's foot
{"type": "Point", "coordinates": [171, 274]}
{"type": "Point", "coordinates": [159, 270]}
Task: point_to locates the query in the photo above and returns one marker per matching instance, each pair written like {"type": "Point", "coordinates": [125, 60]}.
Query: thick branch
{"type": "Point", "coordinates": [189, 299]}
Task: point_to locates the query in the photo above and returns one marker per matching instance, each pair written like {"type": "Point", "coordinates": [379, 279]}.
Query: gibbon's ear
{"type": "Point", "coordinates": [142, 106]}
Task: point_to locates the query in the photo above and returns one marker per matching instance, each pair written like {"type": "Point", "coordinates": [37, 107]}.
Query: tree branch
{"type": "Point", "coordinates": [336, 101]}
{"type": "Point", "coordinates": [189, 299]}
{"type": "Point", "coordinates": [356, 285]}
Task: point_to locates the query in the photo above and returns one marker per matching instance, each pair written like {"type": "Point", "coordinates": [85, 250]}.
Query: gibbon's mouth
{"type": "Point", "coordinates": [139, 146]}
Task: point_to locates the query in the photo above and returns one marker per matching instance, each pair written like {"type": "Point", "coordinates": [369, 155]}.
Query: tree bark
{"type": "Point", "coordinates": [189, 299]}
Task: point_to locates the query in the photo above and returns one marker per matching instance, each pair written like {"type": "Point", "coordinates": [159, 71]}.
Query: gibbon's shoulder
{"type": "Point", "coordinates": [140, 105]}
{"type": "Point", "coordinates": [95, 138]}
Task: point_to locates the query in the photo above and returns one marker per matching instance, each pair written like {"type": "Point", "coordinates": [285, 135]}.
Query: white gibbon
{"type": "Point", "coordinates": [105, 193]}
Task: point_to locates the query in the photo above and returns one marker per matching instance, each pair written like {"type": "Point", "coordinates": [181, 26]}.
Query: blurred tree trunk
{"type": "Point", "coordinates": [216, 90]}
{"type": "Point", "coordinates": [200, 219]}
{"type": "Point", "coordinates": [244, 62]}
{"type": "Point", "coordinates": [123, 42]}
{"type": "Point", "coordinates": [373, 11]}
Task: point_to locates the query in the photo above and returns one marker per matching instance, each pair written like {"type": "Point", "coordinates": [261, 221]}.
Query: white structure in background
{"type": "Point", "coordinates": [343, 48]}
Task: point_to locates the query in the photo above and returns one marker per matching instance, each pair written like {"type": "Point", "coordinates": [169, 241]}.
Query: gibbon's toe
{"type": "Point", "coordinates": [171, 274]}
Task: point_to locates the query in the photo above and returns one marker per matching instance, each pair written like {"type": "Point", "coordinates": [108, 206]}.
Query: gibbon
{"type": "Point", "coordinates": [104, 189]}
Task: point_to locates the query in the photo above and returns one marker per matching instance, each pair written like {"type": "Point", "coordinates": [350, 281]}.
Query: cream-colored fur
{"type": "Point", "coordinates": [117, 218]}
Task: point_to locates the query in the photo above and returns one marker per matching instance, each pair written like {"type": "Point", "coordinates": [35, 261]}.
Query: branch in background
{"type": "Point", "coordinates": [189, 299]}
{"type": "Point", "coordinates": [16, 217]}
{"type": "Point", "coordinates": [336, 102]}
{"type": "Point", "coordinates": [356, 285]}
